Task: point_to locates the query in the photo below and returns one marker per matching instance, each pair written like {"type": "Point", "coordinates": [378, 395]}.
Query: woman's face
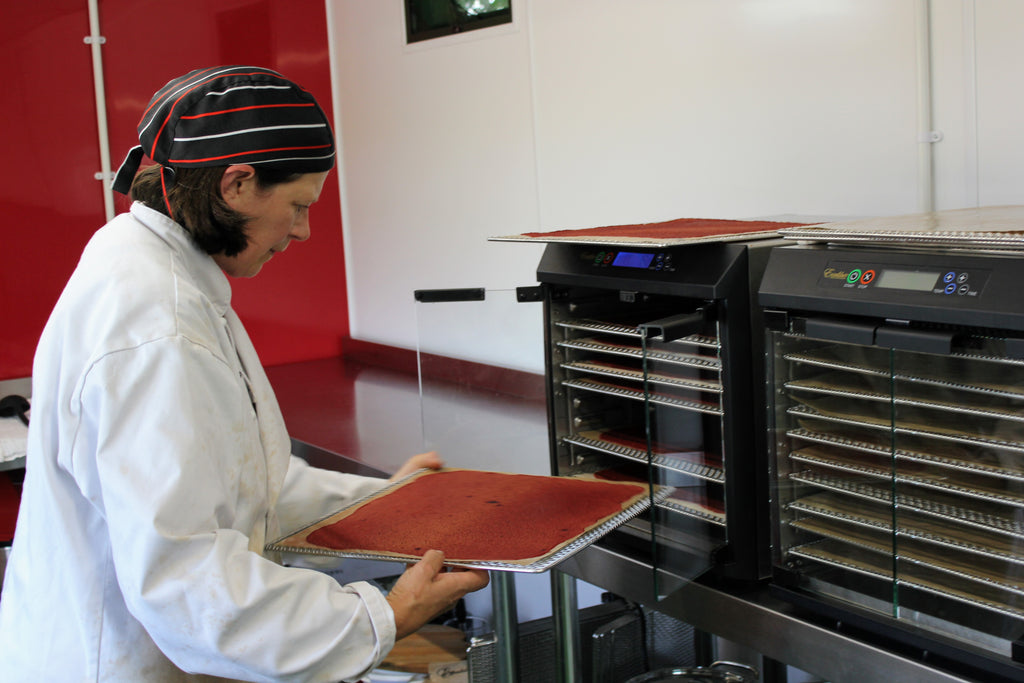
{"type": "Point", "coordinates": [278, 215]}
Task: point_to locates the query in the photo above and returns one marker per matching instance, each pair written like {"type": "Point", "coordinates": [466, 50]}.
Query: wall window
{"type": "Point", "coordinates": [426, 19]}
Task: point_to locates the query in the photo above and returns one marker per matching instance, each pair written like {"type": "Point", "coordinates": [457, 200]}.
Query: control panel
{"type": "Point", "coordinates": [943, 281]}
{"type": "Point", "coordinates": [641, 260]}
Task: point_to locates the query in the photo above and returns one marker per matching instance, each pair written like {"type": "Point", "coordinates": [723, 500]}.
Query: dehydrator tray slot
{"type": "Point", "coordinates": [633, 330]}
{"type": "Point", "coordinates": [697, 502]}
{"type": "Point", "coordinates": [868, 421]}
{"type": "Point", "coordinates": [834, 385]}
{"type": "Point", "coordinates": [924, 451]}
{"type": "Point", "coordinates": [615, 348]}
{"type": "Point", "coordinates": [865, 361]}
{"type": "Point", "coordinates": [971, 404]}
{"type": "Point", "coordinates": [971, 569]}
{"type": "Point", "coordinates": [874, 418]}
{"type": "Point", "coordinates": [879, 566]}
{"type": "Point", "coordinates": [937, 532]}
{"type": "Point", "coordinates": [635, 394]}
{"type": "Point", "coordinates": [982, 513]}
{"type": "Point", "coordinates": [838, 440]}
{"type": "Point", "coordinates": [859, 537]}
{"type": "Point", "coordinates": [701, 501]}
{"type": "Point", "coordinates": [979, 487]}
{"type": "Point", "coordinates": [843, 462]}
{"type": "Point", "coordinates": [636, 374]}
{"type": "Point", "coordinates": [698, 464]}
{"type": "Point", "coordinates": [991, 375]}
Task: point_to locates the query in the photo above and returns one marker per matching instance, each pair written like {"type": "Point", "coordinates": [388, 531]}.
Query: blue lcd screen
{"type": "Point", "coordinates": [632, 259]}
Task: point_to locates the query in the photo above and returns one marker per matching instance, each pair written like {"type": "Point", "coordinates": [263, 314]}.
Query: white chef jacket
{"type": "Point", "coordinates": [158, 467]}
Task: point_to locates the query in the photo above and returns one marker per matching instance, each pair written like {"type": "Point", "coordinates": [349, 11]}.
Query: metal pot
{"type": "Point", "coordinates": [718, 672]}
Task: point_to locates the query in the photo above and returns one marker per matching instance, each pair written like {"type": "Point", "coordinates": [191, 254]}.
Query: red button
{"type": "Point", "coordinates": [867, 277]}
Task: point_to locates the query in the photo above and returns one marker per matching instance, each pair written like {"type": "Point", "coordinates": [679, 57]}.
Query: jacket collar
{"type": "Point", "coordinates": [207, 274]}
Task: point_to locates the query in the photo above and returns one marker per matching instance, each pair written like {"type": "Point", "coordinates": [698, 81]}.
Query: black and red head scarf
{"type": "Point", "coordinates": [231, 115]}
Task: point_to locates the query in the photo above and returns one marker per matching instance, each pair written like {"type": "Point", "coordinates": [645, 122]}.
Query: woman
{"type": "Point", "coordinates": [158, 461]}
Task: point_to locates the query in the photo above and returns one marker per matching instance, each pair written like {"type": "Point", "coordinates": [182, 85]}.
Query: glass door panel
{"type": "Point", "coordinates": [899, 481]}
{"type": "Point", "coordinates": [481, 367]}
{"type": "Point", "coordinates": [959, 479]}
{"type": "Point", "coordinates": [629, 405]}
{"type": "Point", "coordinates": [832, 444]}
{"type": "Point", "coordinates": [685, 450]}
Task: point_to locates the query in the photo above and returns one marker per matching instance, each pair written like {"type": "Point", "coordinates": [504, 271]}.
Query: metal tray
{"type": "Point", "coordinates": [540, 564]}
{"type": "Point", "coordinates": [692, 463]}
{"type": "Point", "coordinates": [866, 563]}
{"type": "Point", "coordinates": [985, 227]}
{"type": "Point", "coordinates": [984, 514]}
{"type": "Point", "coordinates": [603, 327]}
{"type": "Point", "coordinates": [639, 395]}
{"type": "Point", "coordinates": [681, 231]}
{"type": "Point", "coordinates": [944, 533]}
{"type": "Point", "coordinates": [689, 360]}
{"type": "Point", "coordinates": [638, 375]}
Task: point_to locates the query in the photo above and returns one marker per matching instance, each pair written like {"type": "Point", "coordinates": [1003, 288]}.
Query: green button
{"type": "Point", "coordinates": [853, 276]}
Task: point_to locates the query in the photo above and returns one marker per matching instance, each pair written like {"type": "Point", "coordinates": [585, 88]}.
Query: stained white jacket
{"type": "Point", "coordinates": [158, 467]}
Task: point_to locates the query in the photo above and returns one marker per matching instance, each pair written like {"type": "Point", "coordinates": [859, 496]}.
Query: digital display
{"type": "Point", "coordinates": [916, 280]}
{"type": "Point", "coordinates": [632, 259]}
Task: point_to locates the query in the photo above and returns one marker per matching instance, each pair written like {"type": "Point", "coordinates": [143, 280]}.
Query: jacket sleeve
{"type": "Point", "coordinates": [311, 493]}
{"type": "Point", "coordinates": [169, 450]}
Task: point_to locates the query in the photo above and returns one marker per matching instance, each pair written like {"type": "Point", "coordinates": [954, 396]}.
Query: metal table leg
{"type": "Point", "coordinates": [566, 619]}
{"type": "Point", "coordinates": [506, 626]}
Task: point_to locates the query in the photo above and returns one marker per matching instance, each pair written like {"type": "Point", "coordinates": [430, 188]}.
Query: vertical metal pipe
{"type": "Point", "coordinates": [926, 136]}
{"type": "Point", "coordinates": [95, 40]}
{"type": "Point", "coordinates": [506, 626]}
{"type": "Point", "coordinates": [972, 195]}
{"type": "Point", "coordinates": [567, 627]}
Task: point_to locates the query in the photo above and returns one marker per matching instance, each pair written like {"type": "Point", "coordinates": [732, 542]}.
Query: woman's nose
{"type": "Point", "coordinates": [301, 231]}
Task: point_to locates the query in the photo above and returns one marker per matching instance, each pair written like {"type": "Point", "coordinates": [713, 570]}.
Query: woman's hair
{"type": "Point", "coordinates": [194, 199]}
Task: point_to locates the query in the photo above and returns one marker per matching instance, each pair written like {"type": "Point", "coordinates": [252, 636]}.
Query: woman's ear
{"type": "Point", "coordinates": [236, 181]}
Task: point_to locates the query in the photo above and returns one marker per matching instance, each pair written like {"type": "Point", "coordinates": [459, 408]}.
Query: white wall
{"type": "Point", "coordinates": [604, 112]}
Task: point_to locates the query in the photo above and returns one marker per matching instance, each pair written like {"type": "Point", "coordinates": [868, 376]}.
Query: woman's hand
{"type": "Point", "coordinates": [426, 590]}
{"type": "Point", "coordinates": [429, 460]}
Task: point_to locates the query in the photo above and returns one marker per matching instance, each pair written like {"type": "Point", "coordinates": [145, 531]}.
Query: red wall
{"type": "Point", "coordinates": [296, 308]}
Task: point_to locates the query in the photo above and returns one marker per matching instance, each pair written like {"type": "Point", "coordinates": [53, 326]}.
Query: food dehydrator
{"type": "Point", "coordinates": [895, 395]}
{"type": "Point", "coordinates": [653, 374]}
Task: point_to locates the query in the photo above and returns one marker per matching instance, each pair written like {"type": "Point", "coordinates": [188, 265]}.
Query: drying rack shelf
{"type": "Point", "coordinates": [692, 464]}
{"type": "Point", "coordinates": [633, 374]}
{"type": "Point", "coordinates": [949, 582]}
{"type": "Point", "coordinates": [987, 515]}
{"type": "Point", "coordinates": [633, 331]}
{"type": "Point", "coordinates": [639, 395]}
{"type": "Point", "coordinates": [605, 346]}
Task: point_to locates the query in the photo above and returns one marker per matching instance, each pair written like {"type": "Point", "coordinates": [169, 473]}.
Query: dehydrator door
{"type": "Point", "coordinates": [481, 370]}
{"type": "Point", "coordinates": [900, 478]}
{"type": "Point", "coordinates": [637, 394]}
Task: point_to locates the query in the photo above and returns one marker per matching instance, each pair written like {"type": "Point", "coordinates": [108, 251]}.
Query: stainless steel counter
{"type": "Point", "coordinates": [758, 620]}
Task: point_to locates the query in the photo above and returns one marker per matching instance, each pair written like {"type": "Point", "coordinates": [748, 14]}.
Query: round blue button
{"type": "Point", "coordinates": [950, 288]}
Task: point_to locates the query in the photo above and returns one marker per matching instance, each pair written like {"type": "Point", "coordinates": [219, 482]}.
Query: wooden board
{"type": "Point", "coordinates": [432, 644]}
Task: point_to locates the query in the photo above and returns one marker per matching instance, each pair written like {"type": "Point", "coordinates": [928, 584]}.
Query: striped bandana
{"type": "Point", "coordinates": [231, 115]}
